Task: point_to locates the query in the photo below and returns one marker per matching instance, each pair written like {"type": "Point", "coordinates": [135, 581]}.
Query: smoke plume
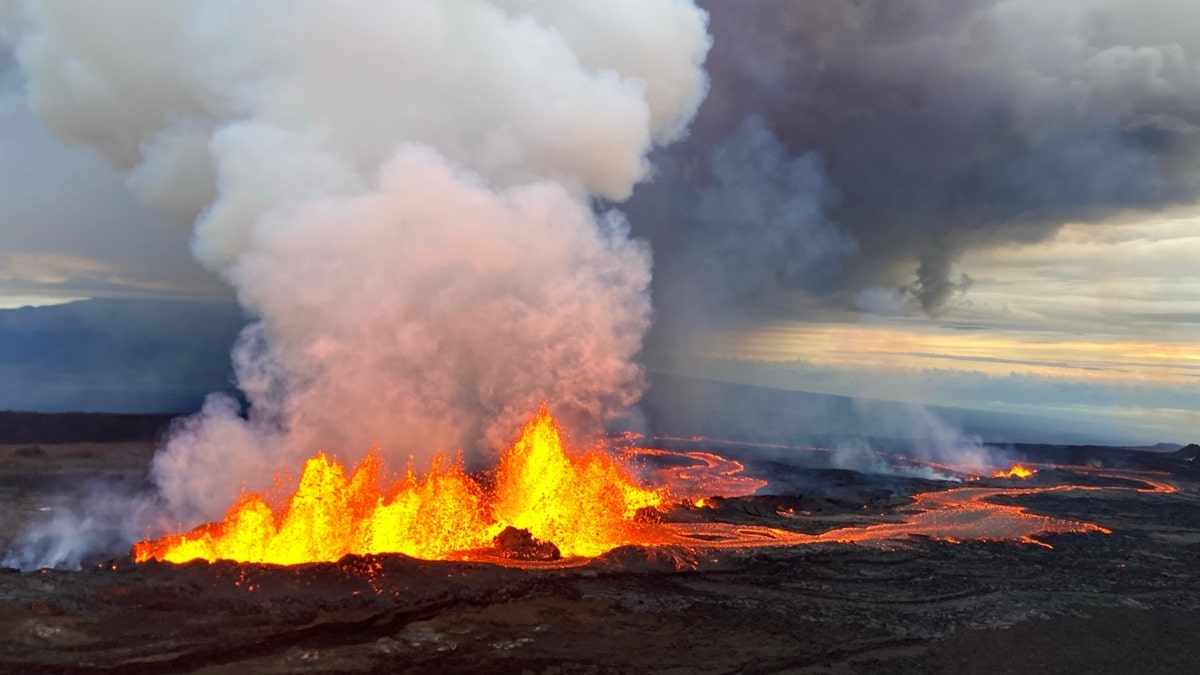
{"type": "Point", "coordinates": [942, 126]}
{"type": "Point", "coordinates": [400, 192]}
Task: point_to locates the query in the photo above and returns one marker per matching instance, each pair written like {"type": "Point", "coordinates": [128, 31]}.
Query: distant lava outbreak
{"type": "Point", "coordinates": [1017, 471]}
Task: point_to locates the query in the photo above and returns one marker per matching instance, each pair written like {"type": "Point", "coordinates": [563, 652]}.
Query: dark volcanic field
{"type": "Point", "coordinates": [1128, 602]}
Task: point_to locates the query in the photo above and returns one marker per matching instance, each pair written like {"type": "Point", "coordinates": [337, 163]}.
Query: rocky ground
{"type": "Point", "coordinates": [1118, 603]}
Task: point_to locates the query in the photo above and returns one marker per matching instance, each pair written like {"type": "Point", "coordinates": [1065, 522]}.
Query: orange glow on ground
{"type": "Point", "coordinates": [965, 514]}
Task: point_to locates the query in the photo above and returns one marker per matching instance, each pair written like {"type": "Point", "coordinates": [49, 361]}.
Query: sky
{"type": "Point", "coordinates": [988, 204]}
{"type": "Point", "coordinates": [1099, 325]}
{"type": "Point", "coordinates": [70, 227]}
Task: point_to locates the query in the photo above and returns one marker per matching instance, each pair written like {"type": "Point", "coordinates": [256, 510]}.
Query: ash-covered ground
{"type": "Point", "coordinates": [1124, 602]}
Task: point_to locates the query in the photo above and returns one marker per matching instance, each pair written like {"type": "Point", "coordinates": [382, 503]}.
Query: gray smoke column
{"type": "Point", "coordinates": [942, 125]}
{"type": "Point", "coordinates": [400, 191]}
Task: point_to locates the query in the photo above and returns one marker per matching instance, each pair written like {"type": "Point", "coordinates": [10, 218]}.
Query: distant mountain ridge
{"type": "Point", "coordinates": [116, 355]}
{"type": "Point", "coordinates": [31, 428]}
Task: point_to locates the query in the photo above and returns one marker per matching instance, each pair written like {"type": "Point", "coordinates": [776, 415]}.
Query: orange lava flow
{"type": "Point", "coordinates": [1017, 471]}
{"type": "Point", "coordinates": [702, 474]}
{"type": "Point", "coordinates": [584, 503]}
{"type": "Point", "coordinates": [966, 514]}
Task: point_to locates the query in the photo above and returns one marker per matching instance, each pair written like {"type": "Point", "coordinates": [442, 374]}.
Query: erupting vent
{"type": "Point", "coordinates": [582, 502]}
{"type": "Point", "coordinates": [1017, 471]}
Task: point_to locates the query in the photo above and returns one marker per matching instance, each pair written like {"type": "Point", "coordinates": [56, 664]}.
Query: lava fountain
{"type": "Point", "coordinates": [583, 502]}
{"type": "Point", "coordinates": [1017, 471]}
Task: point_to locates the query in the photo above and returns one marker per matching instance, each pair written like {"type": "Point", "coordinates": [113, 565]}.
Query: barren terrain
{"type": "Point", "coordinates": [1128, 601]}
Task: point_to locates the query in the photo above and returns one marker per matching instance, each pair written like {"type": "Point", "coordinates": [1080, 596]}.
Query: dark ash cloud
{"type": "Point", "coordinates": [940, 125]}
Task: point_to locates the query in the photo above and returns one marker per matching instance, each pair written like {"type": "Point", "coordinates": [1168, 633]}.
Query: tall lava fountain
{"type": "Point", "coordinates": [399, 191]}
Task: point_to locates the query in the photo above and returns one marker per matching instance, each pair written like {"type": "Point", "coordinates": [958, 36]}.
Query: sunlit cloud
{"type": "Point", "coordinates": [15, 301]}
{"type": "Point", "coordinates": [891, 347]}
{"type": "Point", "coordinates": [1100, 325]}
{"type": "Point", "coordinates": [35, 279]}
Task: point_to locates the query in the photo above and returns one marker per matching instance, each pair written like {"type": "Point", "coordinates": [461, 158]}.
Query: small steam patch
{"type": "Point", "coordinates": [98, 520]}
{"type": "Point", "coordinates": [925, 438]}
{"type": "Point", "coordinates": [860, 455]}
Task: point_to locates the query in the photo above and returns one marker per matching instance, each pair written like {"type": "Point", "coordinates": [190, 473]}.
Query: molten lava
{"type": "Point", "coordinates": [1017, 471]}
{"type": "Point", "coordinates": [585, 503]}
{"type": "Point", "coordinates": [696, 475]}
{"type": "Point", "coordinates": [542, 501]}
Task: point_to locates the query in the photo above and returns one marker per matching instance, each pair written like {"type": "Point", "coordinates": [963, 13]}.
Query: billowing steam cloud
{"type": "Point", "coordinates": [941, 125]}
{"type": "Point", "coordinates": [399, 190]}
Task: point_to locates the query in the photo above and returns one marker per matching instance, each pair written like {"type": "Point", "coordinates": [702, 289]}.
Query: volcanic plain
{"type": "Point", "coordinates": [1120, 596]}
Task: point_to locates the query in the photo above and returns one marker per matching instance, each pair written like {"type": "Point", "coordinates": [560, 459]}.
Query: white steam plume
{"type": "Point", "coordinates": [399, 189]}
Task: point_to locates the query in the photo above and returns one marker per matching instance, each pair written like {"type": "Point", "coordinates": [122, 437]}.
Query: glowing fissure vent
{"type": "Point", "coordinates": [1017, 471]}
{"type": "Point", "coordinates": [585, 503]}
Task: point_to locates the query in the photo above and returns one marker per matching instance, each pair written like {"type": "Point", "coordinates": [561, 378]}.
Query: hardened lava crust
{"type": "Point", "coordinates": [1124, 597]}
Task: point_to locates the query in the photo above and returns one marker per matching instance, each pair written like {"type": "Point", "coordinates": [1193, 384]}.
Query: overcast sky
{"type": "Point", "coordinates": [1099, 325]}
{"type": "Point", "coordinates": [961, 278]}
{"type": "Point", "coordinates": [70, 229]}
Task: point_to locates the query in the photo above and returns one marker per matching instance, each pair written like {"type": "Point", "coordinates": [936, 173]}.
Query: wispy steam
{"type": "Point", "coordinates": [930, 439]}
{"type": "Point", "coordinates": [400, 193]}
{"type": "Point", "coordinates": [99, 518]}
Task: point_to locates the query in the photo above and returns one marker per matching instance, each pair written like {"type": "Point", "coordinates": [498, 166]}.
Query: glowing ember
{"type": "Point", "coordinates": [1017, 471]}
{"type": "Point", "coordinates": [584, 503]}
